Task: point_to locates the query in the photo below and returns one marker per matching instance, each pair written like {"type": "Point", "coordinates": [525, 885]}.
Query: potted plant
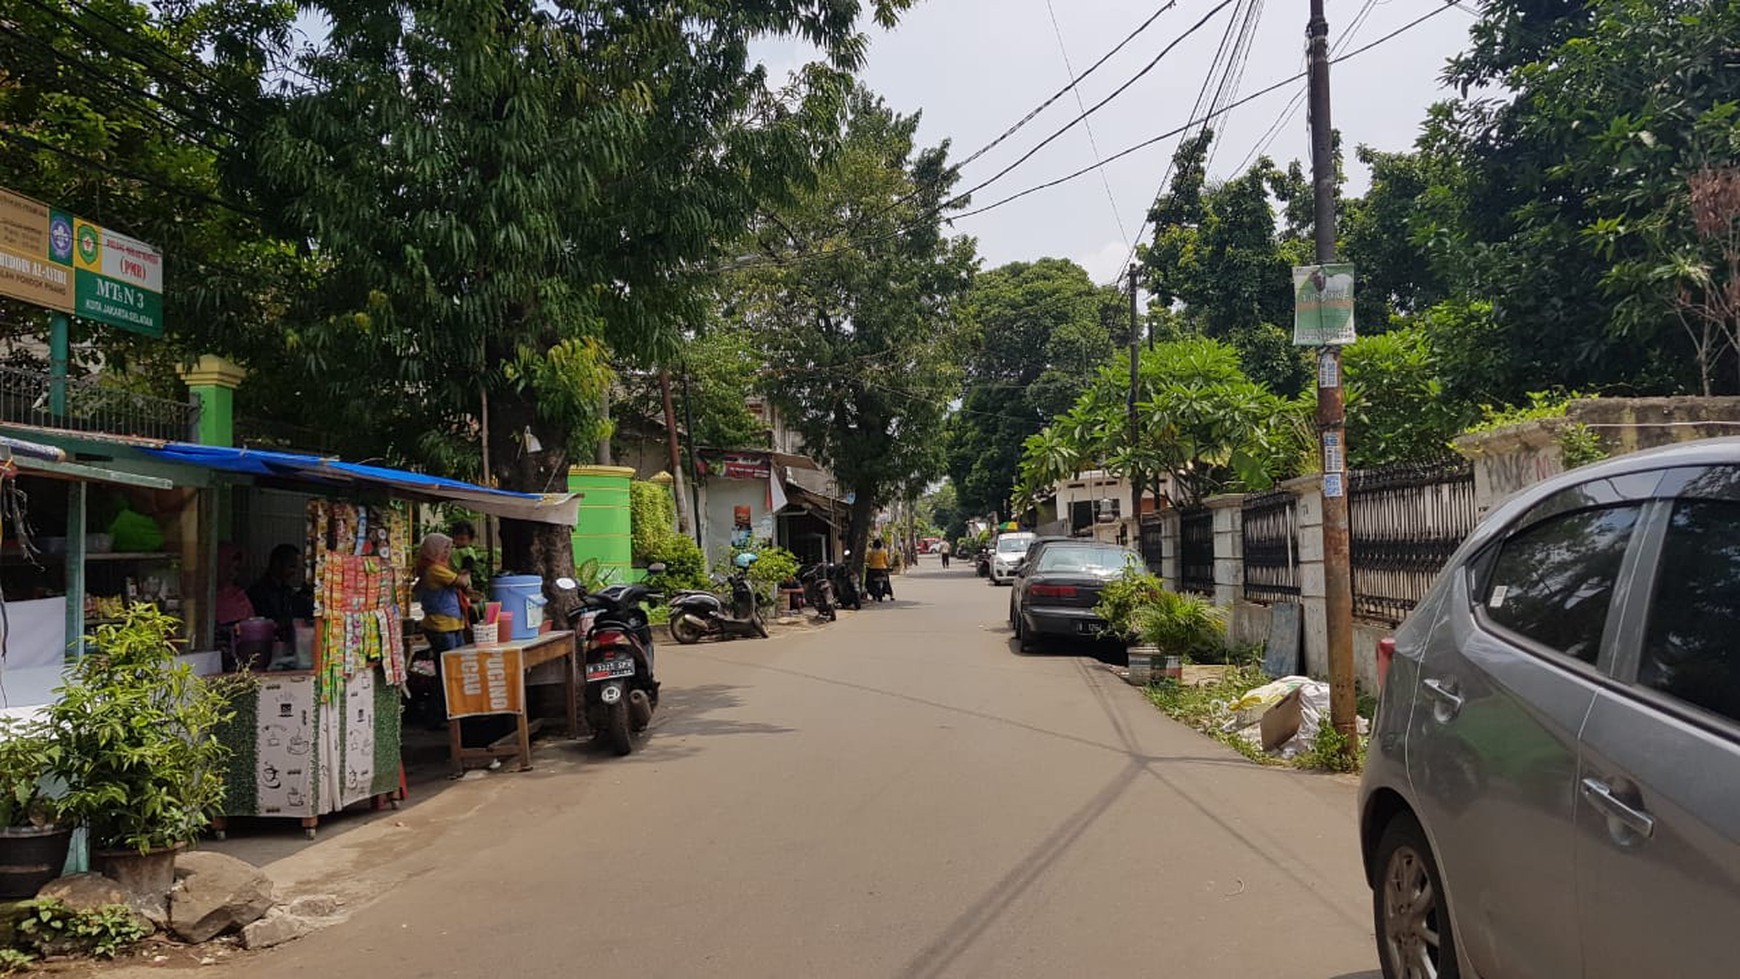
{"type": "Point", "coordinates": [33, 842]}
{"type": "Point", "coordinates": [137, 749]}
{"type": "Point", "coordinates": [1179, 626]}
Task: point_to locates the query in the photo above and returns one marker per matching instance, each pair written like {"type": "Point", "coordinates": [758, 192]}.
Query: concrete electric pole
{"type": "Point", "coordinates": [1331, 406]}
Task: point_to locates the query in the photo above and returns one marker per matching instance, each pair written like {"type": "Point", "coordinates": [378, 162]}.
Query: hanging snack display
{"type": "Point", "coordinates": [357, 592]}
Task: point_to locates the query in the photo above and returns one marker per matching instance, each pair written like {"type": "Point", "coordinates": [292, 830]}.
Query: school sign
{"type": "Point", "coordinates": [54, 259]}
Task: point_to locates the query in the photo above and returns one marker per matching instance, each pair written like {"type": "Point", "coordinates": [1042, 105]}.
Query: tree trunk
{"type": "Point", "coordinates": [858, 532]}
{"type": "Point", "coordinates": [546, 550]}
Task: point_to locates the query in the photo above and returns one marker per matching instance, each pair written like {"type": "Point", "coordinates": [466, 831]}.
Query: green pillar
{"type": "Point", "coordinates": [213, 381]}
{"type": "Point", "coordinates": [59, 356]}
{"type": "Point", "coordinates": [604, 530]}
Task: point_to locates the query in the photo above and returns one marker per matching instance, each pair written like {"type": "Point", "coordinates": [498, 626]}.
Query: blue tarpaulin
{"type": "Point", "coordinates": [553, 508]}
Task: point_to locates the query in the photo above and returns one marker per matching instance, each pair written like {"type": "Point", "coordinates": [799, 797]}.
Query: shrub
{"type": "Point", "coordinates": [1182, 625]}
{"type": "Point", "coordinates": [1120, 599]}
{"type": "Point", "coordinates": [51, 928]}
{"type": "Point", "coordinates": [653, 515]}
{"type": "Point", "coordinates": [139, 754]}
{"type": "Point", "coordinates": [773, 567]}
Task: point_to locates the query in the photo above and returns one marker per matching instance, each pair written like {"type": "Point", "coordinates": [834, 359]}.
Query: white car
{"type": "Point", "coordinates": [1007, 554]}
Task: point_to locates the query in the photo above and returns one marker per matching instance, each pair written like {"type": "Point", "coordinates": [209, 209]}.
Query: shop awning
{"type": "Point", "coordinates": [553, 508]}
{"type": "Point", "coordinates": [47, 460]}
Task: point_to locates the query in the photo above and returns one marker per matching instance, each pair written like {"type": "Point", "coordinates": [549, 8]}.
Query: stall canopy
{"type": "Point", "coordinates": [552, 508]}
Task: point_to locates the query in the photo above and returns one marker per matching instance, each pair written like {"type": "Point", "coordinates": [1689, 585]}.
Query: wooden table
{"type": "Point", "coordinates": [482, 680]}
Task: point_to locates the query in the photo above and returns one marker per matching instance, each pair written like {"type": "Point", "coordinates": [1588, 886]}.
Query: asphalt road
{"type": "Point", "coordinates": [899, 794]}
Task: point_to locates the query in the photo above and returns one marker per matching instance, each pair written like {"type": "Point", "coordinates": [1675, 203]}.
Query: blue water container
{"type": "Point", "coordinates": [522, 595]}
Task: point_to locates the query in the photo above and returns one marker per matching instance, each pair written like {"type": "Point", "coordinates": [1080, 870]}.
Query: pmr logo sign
{"type": "Point", "coordinates": [119, 280]}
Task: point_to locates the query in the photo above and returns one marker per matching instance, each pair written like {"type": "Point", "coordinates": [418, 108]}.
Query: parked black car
{"type": "Point", "coordinates": [1058, 586]}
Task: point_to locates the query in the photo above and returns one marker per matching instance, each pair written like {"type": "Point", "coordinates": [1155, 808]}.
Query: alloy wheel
{"type": "Point", "coordinates": [1412, 916]}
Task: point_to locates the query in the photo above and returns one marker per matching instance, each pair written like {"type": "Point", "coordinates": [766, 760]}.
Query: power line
{"type": "Point", "coordinates": [1298, 99]}
{"type": "Point", "coordinates": [7, 132]}
{"type": "Point", "coordinates": [1093, 143]}
{"type": "Point", "coordinates": [1073, 83]}
{"type": "Point", "coordinates": [1103, 102]}
{"type": "Point", "coordinates": [1187, 126]}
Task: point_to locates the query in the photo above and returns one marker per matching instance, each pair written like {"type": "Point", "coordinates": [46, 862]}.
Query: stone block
{"type": "Point", "coordinates": [216, 894]}
{"type": "Point", "coordinates": [275, 928]}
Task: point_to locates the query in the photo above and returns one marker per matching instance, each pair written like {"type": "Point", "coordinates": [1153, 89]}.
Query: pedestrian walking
{"type": "Point", "coordinates": [943, 549]}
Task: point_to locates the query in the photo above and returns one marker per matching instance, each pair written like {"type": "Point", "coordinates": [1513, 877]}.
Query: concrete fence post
{"type": "Point", "coordinates": [1229, 547]}
{"type": "Point", "coordinates": [1171, 533]}
{"type": "Point", "coordinates": [1312, 592]}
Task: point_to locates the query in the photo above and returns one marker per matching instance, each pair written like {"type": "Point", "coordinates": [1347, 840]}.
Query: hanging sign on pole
{"type": "Point", "coordinates": [1323, 305]}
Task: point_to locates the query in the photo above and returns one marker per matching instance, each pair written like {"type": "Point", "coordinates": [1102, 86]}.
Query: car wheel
{"type": "Point", "coordinates": [1409, 908]}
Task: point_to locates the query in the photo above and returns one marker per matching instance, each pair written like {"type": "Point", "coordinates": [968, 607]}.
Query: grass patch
{"type": "Point", "coordinates": [1199, 706]}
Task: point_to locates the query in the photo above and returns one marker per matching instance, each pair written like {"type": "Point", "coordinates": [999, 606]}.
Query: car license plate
{"type": "Point", "coordinates": [609, 669]}
{"type": "Point", "coordinates": [1089, 628]}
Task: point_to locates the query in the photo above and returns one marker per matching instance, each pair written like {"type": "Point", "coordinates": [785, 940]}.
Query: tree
{"type": "Point", "coordinates": [1396, 276]}
{"type": "Point", "coordinates": [1397, 406]}
{"type": "Point", "coordinates": [1217, 251]}
{"type": "Point", "coordinates": [1038, 334]}
{"type": "Point", "coordinates": [1202, 422]}
{"type": "Point", "coordinates": [861, 326]}
{"type": "Point", "coordinates": [504, 196]}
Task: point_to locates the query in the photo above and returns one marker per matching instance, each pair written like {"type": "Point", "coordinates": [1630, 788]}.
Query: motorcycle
{"type": "Point", "coordinates": [846, 591]}
{"type": "Point", "coordinates": [617, 647]}
{"type": "Point", "coordinates": [879, 584]}
{"type": "Point", "coordinates": [698, 614]}
{"type": "Point", "coordinates": [982, 563]}
{"type": "Point", "coordinates": [819, 590]}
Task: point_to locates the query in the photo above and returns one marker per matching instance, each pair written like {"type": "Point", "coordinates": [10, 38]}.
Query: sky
{"type": "Point", "coordinates": [974, 67]}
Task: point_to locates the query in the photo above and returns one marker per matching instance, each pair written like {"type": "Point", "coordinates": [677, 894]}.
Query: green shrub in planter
{"type": "Point", "coordinates": [27, 754]}
{"type": "Point", "coordinates": [136, 732]}
{"type": "Point", "coordinates": [1181, 625]}
{"type": "Point", "coordinates": [1120, 598]}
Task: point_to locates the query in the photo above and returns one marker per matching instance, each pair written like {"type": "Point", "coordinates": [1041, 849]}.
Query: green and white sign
{"type": "Point", "coordinates": [1323, 305]}
{"type": "Point", "coordinates": [117, 280]}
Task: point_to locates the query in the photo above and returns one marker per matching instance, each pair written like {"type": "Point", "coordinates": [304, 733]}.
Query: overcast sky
{"type": "Point", "coordinates": [974, 67]}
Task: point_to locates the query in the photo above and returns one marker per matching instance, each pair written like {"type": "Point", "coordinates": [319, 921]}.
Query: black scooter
{"type": "Point", "coordinates": [846, 591]}
{"type": "Point", "coordinates": [617, 647]}
{"type": "Point", "coordinates": [819, 590]}
{"type": "Point", "coordinates": [696, 615]}
{"type": "Point", "coordinates": [879, 584]}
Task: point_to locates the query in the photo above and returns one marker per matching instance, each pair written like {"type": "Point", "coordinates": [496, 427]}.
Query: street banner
{"type": "Point", "coordinates": [1323, 305]}
{"type": "Point", "coordinates": [35, 253]}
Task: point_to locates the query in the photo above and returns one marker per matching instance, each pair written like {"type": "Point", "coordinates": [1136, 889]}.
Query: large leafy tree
{"type": "Point", "coordinates": [1039, 332]}
{"type": "Point", "coordinates": [505, 196]}
{"type": "Point", "coordinates": [124, 114]}
{"type": "Point", "coordinates": [1201, 421]}
{"type": "Point", "coordinates": [856, 306]}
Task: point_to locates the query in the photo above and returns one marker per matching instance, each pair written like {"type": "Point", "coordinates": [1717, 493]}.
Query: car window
{"type": "Point", "coordinates": [1009, 545]}
{"type": "Point", "coordinates": [1553, 581]}
{"type": "Point", "coordinates": [1689, 651]}
{"type": "Point", "coordinates": [1086, 559]}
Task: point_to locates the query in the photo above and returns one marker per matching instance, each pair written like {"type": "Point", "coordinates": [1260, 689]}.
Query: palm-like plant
{"type": "Point", "coordinates": [1180, 625]}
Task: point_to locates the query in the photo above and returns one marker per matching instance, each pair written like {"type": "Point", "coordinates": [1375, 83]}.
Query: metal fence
{"type": "Point", "coordinates": [1152, 540]}
{"type": "Point", "coordinates": [1405, 522]}
{"type": "Point", "coordinates": [1271, 547]}
{"type": "Point", "coordinates": [1196, 550]}
{"type": "Point", "coordinates": [27, 398]}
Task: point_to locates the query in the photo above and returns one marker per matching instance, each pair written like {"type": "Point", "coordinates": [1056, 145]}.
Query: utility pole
{"type": "Point", "coordinates": [676, 456]}
{"type": "Point", "coordinates": [1135, 382]}
{"type": "Point", "coordinates": [694, 463]}
{"type": "Point", "coordinates": [1331, 406]}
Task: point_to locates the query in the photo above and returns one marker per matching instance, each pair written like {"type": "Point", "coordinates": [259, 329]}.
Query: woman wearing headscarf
{"type": "Point", "coordinates": [440, 589]}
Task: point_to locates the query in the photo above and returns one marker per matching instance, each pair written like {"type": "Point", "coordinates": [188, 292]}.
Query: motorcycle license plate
{"type": "Point", "coordinates": [609, 669]}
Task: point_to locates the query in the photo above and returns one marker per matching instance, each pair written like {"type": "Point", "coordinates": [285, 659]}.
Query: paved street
{"type": "Point", "coordinates": [901, 794]}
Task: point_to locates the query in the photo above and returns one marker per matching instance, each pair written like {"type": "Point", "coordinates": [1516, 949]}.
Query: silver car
{"type": "Point", "coordinates": [1007, 553]}
{"type": "Point", "coordinates": [1553, 784]}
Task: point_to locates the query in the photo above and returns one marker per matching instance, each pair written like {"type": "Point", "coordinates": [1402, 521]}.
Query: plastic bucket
{"type": "Point", "coordinates": [521, 596]}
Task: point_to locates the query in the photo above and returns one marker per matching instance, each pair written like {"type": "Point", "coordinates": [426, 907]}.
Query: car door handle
{"type": "Point", "coordinates": [1444, 692]}
{"type": "Point", "coordinates": [1634, 819]}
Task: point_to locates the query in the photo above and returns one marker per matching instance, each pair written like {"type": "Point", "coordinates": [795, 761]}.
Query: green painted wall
{"type": "Point", "coordinates": [604, 531]}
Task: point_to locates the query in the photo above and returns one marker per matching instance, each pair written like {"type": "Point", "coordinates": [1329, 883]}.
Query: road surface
{"type": "Point", "coordinates": [899, 794]}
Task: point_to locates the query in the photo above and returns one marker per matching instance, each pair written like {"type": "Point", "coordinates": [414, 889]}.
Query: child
{"type": "Point", "coordinates": [468, 560]}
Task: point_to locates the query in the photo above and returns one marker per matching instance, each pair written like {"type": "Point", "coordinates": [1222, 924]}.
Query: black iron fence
{"type": "Point", "coordinates": [1196, 550]}
{"type": "Point", "coordinates": [28, 398]}
{"type": "Point", "coordinates": [1271, 547]}
{"type": "Point", "coordinates": [1405, 522]}
{"type": "Point", "coordinates": [1152, 540]}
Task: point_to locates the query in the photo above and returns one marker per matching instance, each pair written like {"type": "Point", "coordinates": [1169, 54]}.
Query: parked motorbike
{"type": "Point", "coordinates": [617, 647]}
{"type": "Point", "coordinates": [982, 563]}
{"type": "Point", "coordinates": [698, 614]}
{"type": "Point", "coordinates": [819, 590]}
{"type": "Point", "coordinates": [879, 584]}
{"type": "Point", "coordinates": [847, 594]}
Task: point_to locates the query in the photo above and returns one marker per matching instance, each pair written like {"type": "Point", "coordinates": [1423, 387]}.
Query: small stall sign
{"type": "Point", "coordinates": [483, 681]}
{"type": "Point", "coordinates": [741, 465]}
{"type": "Point", "coordinates": [1323, 306]}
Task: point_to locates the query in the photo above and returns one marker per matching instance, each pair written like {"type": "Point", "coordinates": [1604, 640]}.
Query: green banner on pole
{"type": "Point", "coordinates": [1323, 305]}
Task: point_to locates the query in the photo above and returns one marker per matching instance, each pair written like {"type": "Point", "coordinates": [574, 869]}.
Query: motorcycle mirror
{"type": "Point", "coordinates": [655, 568]}
{"type": "Point", "coordinates": [567, 584]}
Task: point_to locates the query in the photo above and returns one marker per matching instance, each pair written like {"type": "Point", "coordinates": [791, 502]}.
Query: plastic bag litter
{"type": "Point", "coordinates": [1313, 712]}
{"type": "Point", "coordinates": [1250, 708]}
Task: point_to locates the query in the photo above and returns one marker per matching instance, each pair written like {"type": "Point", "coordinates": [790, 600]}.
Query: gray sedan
{"type": "Point", "coordinates": [1553, 784]}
